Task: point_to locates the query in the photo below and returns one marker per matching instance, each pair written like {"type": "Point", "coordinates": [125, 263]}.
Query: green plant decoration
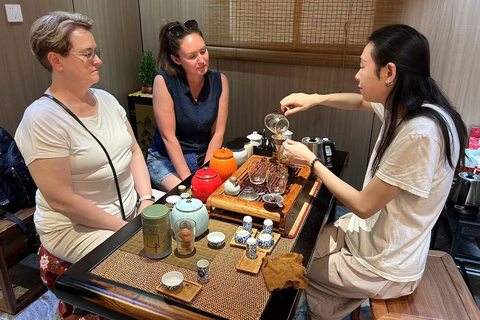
{"type": "Point", "coordinates": [148, 69]}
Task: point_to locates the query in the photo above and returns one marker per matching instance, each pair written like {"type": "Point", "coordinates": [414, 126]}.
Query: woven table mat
{"type": "Point", "coordinates": [226, 287]}
{"type": "Point", "coordinates": [202, 250]}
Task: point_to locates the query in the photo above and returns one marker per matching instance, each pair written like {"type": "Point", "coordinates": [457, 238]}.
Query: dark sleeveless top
{"type": "Point", "coordinates": [194, 119]}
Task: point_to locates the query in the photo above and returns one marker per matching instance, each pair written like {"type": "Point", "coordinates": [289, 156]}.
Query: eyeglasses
{"type": "Point", "coordinates": [90, 54]}
{"type": "Point", "coordinates": [178, 29]}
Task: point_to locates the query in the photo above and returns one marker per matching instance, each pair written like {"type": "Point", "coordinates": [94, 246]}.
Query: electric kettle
{"type": "Point", "coordinates": [464, 196]}
{"type": "Point", "coordinates": [322, 148]}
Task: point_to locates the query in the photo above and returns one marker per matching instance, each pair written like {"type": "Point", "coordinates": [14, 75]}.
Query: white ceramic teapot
{"type": "Point", "coordinates": [191, 208]}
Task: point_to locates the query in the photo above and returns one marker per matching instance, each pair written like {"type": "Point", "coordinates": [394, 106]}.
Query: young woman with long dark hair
{"type": "Point", "coordinates": [379, 250]}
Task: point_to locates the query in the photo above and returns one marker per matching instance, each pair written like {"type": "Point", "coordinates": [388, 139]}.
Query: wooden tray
{"type": "Point", "coordinates": [276, 237]}
{"type": "Point", "coordinates": [230, 207]}
{"type": "Point", "coordinates": [251, 265]}
{"type": "Point", "coordinates": [186, 292]}
{"type": "Point", "coordinates": [241, 245]}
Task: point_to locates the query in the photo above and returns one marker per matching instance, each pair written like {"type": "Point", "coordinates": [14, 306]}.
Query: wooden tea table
{"type": "Point", "coordinates": [110, 283]}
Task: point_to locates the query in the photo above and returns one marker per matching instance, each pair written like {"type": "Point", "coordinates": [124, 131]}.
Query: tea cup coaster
{"type": "Point", "coordinates": [251, 265]}
{"type": "Point", "coordinates": [241, 245]}
{"type": "Point", "coordinates": [185, 293]}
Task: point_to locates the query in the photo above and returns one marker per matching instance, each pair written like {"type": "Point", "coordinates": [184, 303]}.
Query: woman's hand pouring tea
{"type": "Point", "coordinates": [298, 153]}
{"type": "Point", "coordinates": [297, 102]}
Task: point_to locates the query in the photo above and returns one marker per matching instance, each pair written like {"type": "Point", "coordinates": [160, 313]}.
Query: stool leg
{"type": "Point", "coordinates": [6, 284]}
{"type": "Point", "coordinates": [355, 315]}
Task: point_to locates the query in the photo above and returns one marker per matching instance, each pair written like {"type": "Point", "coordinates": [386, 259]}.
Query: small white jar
{"type": "Point", "coordinates": [247, 144]}
{"type": "Point", "coordinates": [239, 152]}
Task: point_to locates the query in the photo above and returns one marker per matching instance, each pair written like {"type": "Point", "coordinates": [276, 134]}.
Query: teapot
{"type": "Point", "coordinates": [205, 181]}
{"type": "Point", "coordinates": [191, 208]}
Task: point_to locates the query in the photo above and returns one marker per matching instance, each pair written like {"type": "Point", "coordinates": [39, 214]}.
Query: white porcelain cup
{"type": "Point", "coordinates": [202, 270]}
{"type": "Point", "coordinates": [251, 248]}
{"type": "Point", "coordinates": [247, 223]}
{"type": "Point", "coordinates": [268, 226]}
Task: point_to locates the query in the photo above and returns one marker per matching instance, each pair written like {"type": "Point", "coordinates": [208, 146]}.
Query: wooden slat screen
{"type": "Point", "coordinates": [320, 32]}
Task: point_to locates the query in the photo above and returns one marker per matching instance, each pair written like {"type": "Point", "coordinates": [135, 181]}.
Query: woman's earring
{"type": "Point", "coordinates": [389, 82]}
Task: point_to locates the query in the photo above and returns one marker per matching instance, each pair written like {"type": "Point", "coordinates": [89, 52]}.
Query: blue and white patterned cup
{"type": "Point", "coordinates": [268, 226]}
{"type": "Point", "coordinates": [251, 248]}
{"type": "Point", "coordinates": [241, 236]}
{"type": "Point", "coordinates": [265, 241]}
{"type": "Point", "coordinates": [202, 269]}
{"type": "Point", "coordinates": [247, 223]}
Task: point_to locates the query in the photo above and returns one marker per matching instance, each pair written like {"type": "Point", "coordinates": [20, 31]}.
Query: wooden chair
{"type": "Point", "coordinates": [441, 294]}
{"type": "Point", "coordinates": [15, 246]}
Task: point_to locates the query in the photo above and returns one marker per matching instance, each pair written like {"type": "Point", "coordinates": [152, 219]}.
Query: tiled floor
{"type": "Point", "coordinates": [46, 306]}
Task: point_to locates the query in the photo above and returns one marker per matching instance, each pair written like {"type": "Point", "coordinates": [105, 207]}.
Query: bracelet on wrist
{"type": "Point", "coordinates": [312, 164]}
{"type": "Point", "coordinates": [149, 197]}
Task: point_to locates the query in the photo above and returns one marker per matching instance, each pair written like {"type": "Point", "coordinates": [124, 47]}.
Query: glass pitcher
{"type": "Point", "coordinates": [277, 123]}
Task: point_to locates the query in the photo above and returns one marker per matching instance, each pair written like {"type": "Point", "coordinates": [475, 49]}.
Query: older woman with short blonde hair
{"type": "Point", "coordinates": [78, 204]}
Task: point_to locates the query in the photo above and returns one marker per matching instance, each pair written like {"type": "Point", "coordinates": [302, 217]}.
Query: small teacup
{"type": "Point", "coordinates": [242, 236]}
{"type": "Point", "coordinates": [216, 239]}
{"type": "Point", "coordinates": [172, 280]}
{"type": "Point", "coordinates": [268, 226]}
{"type": "Point", "coordinates": [251, 248]}
{"type": "Point", "coordinates": [265, 241]}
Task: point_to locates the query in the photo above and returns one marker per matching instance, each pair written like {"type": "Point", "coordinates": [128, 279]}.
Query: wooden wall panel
{"type": "Point", "coordinates": [22, 78]}
{"type": "Point", "coordinates": [154, 13]}
{"type": "Point", "coordinates": [453, 30]}
{"type": "Point", "coordinates": [117, 33]}
{"type": "Point", "coordinates": [256, 89]}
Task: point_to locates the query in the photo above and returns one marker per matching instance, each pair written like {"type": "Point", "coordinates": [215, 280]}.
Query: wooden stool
{"type": "Point", "coordinates": [441, 294]}
{"type": "Point", "coordinates": [15, 246]}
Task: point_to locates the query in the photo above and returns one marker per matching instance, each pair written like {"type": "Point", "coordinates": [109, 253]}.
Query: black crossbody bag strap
{"type": "Point", "coordinates": [10, 216]}
{"type": "Point", "coordinates": [101, 145]}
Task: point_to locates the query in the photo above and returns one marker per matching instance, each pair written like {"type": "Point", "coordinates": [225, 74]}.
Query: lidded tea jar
{"type": "Point", "coordinates": [224, 162]}
{"type": "Point", "coordinates": [247, 144]}
{"type": "Point", "coordinates": [156, 231]}
{"type": "Point", "coordinates": [191, 208]}
{"type": "Point", "coordinates": [239, 152]}
{"type": "Point", "coordinates": [205, 181]}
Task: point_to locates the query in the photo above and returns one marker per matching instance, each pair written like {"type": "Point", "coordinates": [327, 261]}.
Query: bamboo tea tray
{"type": "Point", "coordinates": [234, 208]}
{"type": "Point", "coordinates": [250, 265]}
{"type": "Point", "coordinates": [185, 293]}
{"type": "Point", "coordinates": [241, 245]}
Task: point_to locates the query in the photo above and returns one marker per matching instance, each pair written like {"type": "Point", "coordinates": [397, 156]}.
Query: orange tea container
{"type": "Point", "coordinates": [224, 162]}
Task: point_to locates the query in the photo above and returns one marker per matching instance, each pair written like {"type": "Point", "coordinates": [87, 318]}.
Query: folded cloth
{"type": "Point", "coordinates": [283, 271]}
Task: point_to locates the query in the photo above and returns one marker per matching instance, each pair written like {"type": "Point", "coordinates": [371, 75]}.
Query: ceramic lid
{"type": "Point", "coordinates": [173, 199]}
{"type": "Point", "coordinates": [206, 173]}
{"type": "Point", "coordinates": [223, 154]}
{"type": "Point", "coordinates": [235, 146]}
{"type": "Point", "coordinates": [243, 140]}
{"type": "Point", "coordinates": [189, 205]}
{"type": "Point", "coordinates": [254, 136]}
{"type": "Point", "coordinates": [155, 211]}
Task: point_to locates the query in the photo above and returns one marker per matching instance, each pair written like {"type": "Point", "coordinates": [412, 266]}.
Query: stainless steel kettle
{"type": "Point", "coordinates": [465, 194]}
{"type": "Point", "coordinates": [322, 148]}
